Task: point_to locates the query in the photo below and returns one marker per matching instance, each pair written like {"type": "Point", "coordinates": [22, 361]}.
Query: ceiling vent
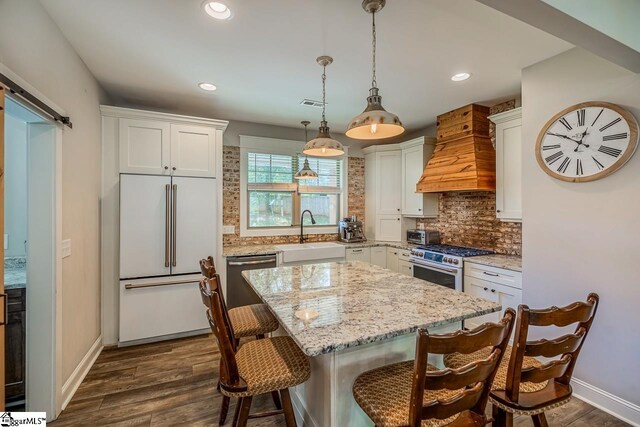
{"type": "Point", "coordinates": [311, 103]}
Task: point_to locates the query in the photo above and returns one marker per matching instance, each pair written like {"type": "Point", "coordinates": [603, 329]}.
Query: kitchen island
{"type": "Point", "coordinates": [350, 317]}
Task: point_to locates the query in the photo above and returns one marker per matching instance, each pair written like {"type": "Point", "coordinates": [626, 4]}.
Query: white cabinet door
{"type": "Point", "coordinates": [392, 259]}
{"type": "Point", "coordinates": [507, 297]}
{"type": "Point", "coordinates": [405, 267]}
{"type": "Point", "coordinates": [145, 203]}
{"type": "Point", "coordinates": [194, 202]}
{"type": "Point", "coordinates": [481, 289]}
{"type": "Point", "coordinates": [379, 256]}
{"type": "Point", "coordinates": [144, 147]}
{"type": "Point", "coordinates": [509, 170]}
{"type": "Point", "coordinates": [388, 228]}
{"type": "Point", "coordinates": [388, 170]}
{"type": "Point", "coordinates": [193, 151]}
{"type": "Point", "coordinates": [416, 204]}
{"type": "Point", "coordinates": [359, 254]}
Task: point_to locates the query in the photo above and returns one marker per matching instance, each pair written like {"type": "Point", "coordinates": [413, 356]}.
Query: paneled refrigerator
{"type": "Point", "coordinates": [167, 224]}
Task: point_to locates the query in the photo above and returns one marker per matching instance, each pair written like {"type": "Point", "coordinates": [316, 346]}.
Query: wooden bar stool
{"type": "Point", "coordinates": [253, 320]}
{"type": "Point", "coordinates": [414, 393]}
{"type": "Point", "coordinates": [269, 365]}
{"type": "Point", "coordinates": [526, 386]}
{"type": "Point", "coordinates": [245, 320]}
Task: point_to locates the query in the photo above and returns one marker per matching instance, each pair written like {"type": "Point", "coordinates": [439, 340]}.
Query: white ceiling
{"type": "Point", "coordinates": [152, 53]}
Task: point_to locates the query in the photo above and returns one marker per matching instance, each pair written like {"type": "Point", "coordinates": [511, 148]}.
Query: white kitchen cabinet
{"type": "Point", "coordinates": [415, 156]}
{"type": "Point", "coordinates": [359, 254]}
{"type": "Point", "coordinates": [405, 267]}
{"type": "Point", "coordinates": [388, 228]}
{"type": "Point", "coordinates": [144, 146]}
{"type": "Point", "coordinates": [392, 259]}
{"type": "Point", "coordinates": [193, 150]}
{"type": "Point", "coordinates": [379, 256]}
{"type": "Point", "coordinates": [491, 286]}
{"type": "Point", "coordinates": [388, 166]}
{"type": "Point", "coordinates": [508, 164]}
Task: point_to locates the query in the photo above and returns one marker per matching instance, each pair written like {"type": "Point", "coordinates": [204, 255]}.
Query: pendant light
{"type": "Point", "coordinates": [306, 172]}
{"type": "Point", "coordinates": [323, 145]}
{"type": "Point", "coordinates": [374, 122]}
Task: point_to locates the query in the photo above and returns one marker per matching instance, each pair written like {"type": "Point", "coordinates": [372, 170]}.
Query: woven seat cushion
{"type": "Point", "coordinates": [252, 320]}
{"type": "Point", "coordinates": [384, 395]}
{"type": "Point", "coordinates": [457, 360]}
{"type": "Point", "coordinates": [270, 364]}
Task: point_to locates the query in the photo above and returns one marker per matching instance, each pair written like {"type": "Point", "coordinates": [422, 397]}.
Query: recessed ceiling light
{"type": "Point", "coordinates": [460, 77]}
{"type": "Point", "coordinates": [217, 9]}
{"type": "Point", "coordinates": [207, 86]}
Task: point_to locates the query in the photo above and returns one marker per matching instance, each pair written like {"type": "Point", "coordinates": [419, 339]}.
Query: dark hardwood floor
{"type": "Point", "coordinates": [174, 383]}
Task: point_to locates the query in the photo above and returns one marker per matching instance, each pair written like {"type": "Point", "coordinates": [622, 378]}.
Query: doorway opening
{"type": "Point", "coordinates": [32, 263]}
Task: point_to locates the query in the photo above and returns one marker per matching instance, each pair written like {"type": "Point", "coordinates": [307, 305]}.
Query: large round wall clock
{"type": "Point", "coordinates": [587, 141]}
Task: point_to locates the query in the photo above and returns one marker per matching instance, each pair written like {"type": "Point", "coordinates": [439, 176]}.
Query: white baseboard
{"type": "Point", "coordinates": [77, 376]}
{"type": "Point", "coordinates": [619, 408]}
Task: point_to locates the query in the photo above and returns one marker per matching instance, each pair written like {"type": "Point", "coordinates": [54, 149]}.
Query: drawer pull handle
{"type": "Point", "coordinates": [493, 290]}
{"type": "Point", "coordinates": [153, 285]}
{"type": "Point", "coordinates": [491, 274]}
{"type": "Point", "coordinates": [356, 250]}
{"type": "Point", "coordinates": [486, 289]}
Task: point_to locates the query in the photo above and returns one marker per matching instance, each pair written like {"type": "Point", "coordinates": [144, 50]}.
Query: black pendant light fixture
{"type": "Point", "coordinates": [306, 172]}
{"type": "Point", "coordinates": [374, 122]}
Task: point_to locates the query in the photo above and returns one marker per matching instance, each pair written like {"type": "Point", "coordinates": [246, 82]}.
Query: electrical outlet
{"type": "Point", "coordinates": [66, 248]}
{"type": "Point", "coordinates": [6, 242]}
{"type": "Point", "coordinates": [228, 229]}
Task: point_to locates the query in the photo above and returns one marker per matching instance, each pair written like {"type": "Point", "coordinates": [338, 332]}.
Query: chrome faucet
{"type": "Point", "coordinates": [313, 221]}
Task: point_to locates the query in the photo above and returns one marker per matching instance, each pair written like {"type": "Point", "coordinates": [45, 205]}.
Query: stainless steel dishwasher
{"type": "Point", "coordinates": [239, 292]}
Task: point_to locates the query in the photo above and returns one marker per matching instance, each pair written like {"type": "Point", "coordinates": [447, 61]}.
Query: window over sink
{"type": "Point", "coordinates": [272, 200]}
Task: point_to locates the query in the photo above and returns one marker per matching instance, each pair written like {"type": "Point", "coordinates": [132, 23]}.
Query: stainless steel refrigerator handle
{"type": "Point", "coordinates": [167, 219]}
{"type": "Point", "coordinates": [175, 223]}
{"type": "Point", "coordinates": [152, 285]}
{"type": "Point", "coordinates": [266, 261]}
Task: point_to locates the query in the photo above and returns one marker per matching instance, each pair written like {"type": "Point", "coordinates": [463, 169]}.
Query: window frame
{"type": "Point", "coordinates": [256, 144]}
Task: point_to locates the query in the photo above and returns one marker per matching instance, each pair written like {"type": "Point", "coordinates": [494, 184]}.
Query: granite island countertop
{"type": "Point", "coordinates": [248, 250]}
{"type": "Point", "coordinates": [15, 273]}
{"type": "Point", "coordinates": [357, 303]}
{"type": "Point", "coordinates": [508, 262]}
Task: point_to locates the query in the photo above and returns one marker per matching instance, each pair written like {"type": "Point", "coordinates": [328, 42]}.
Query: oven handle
{"type": "Point", "coordinates": [435, 267]}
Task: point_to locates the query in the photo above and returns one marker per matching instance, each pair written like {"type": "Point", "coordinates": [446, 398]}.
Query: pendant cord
{"type": "Point", "coordinates": [324, 92]}
{"type": "Point", "coordinates": [374, 82]}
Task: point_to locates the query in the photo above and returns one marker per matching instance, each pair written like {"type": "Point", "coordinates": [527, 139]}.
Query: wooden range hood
{"type": "Point", "coordinates": [464, 158]}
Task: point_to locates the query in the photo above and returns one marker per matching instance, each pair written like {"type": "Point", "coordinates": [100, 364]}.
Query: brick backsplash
{"type": "Point", "coordinates": [469, 219]}
{"type": "Point", "coordinates": [231, 201]}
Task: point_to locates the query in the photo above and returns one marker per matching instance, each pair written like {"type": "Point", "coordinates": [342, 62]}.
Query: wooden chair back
{"type": "Point", "coordinates": [221, 327]}
{"type": "Point", "coordinates": [565, 348]}
{"type": "Point", "coordinates": [208, 267]}
{"type": "Point", "coordinates": [207, 289]}
{"type": "Point", "coordinates": [475, 378]}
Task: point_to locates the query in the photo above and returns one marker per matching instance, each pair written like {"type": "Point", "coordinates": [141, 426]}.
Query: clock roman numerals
{"type": "Point", "coordinates": [582, 115]}
{"type": "Point", "coordinates": [554, 157]}
{"type": "Point", "coordinates": [564, 165]}
{"type": "Point", "coordinates": [597, 117]}
{"type": "Point", "coordinates": [565, 123]}
{"type": "Point", "coordinates": [598, 164]}
{"type": "Point", "coordinates": [608, 125]}
{"type": "Point", "coordinates": [614, 152]}
{"type": "Point", "coordinates": [614, 137]}
{"type": "Point", "coordinates": [551, 147]}
{"type": "Point", "coordinates": [579, 170]}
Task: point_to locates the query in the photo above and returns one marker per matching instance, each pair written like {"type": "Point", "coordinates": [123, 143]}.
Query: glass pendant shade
{"type": "Point", "coordinates": [374, 122]}
{"type": "Point", "coordinates": [323, 145]}
{"type": "Point", "coordinates": [306, 172]}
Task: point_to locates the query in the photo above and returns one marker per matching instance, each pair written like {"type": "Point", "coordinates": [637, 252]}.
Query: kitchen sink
{"type": "Point", "coordinates": [297, 252]}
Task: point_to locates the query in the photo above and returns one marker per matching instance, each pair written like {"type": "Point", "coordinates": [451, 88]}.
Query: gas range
{"type": "Point", "coordinates": [449, 255]}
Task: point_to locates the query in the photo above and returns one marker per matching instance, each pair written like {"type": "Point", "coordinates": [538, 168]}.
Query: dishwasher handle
{"type": "Point", "coordinates": [254, 262]}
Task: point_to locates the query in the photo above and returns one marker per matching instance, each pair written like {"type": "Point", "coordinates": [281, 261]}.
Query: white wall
{"type": "Point", "coordinates": [32, 46]}
{"type": "Point", "coordinates": [581, 238]}
{"type": "Point", "coordinates": [15, 196]}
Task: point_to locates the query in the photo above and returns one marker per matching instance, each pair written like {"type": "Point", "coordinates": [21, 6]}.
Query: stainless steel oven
{"type": "Point", "coordinates": [449, 277]}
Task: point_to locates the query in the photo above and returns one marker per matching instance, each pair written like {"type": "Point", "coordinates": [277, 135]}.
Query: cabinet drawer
{"type": "Point", "coordinates": [493, 274]}
{"type": "Point", "coordinates": [403, 254]}
{"type": "Point", "coordinates": [359, 254]}
{"type": "Point", "coordinates": [152, 308]}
